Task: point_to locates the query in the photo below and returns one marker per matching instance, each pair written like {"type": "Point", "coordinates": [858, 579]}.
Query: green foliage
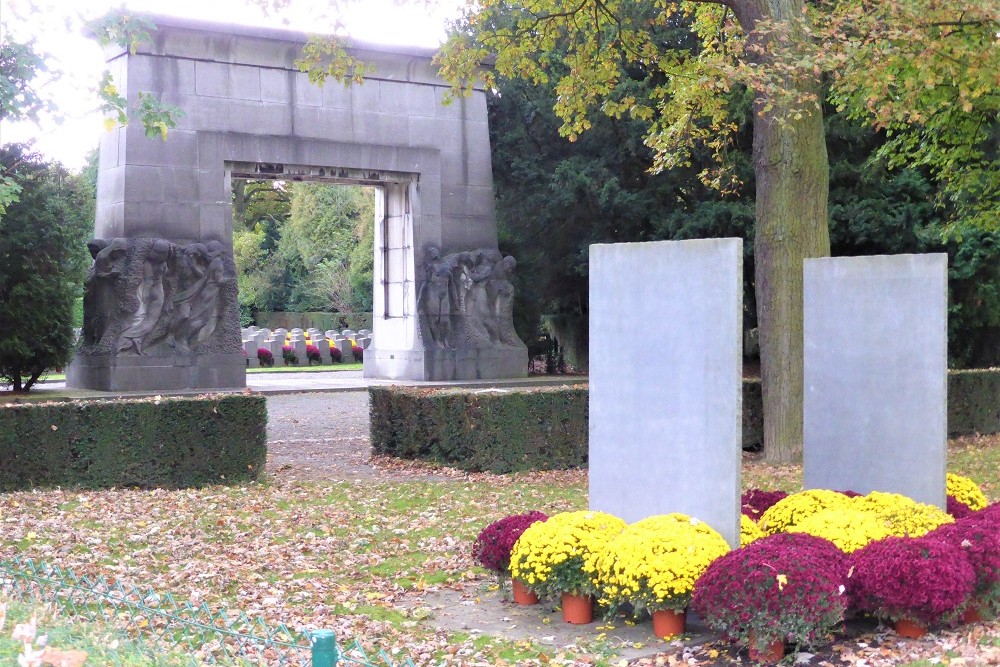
{"type": "Point", "coordinates": [874, 210]}
{"type": "Point", "coordinates": [325, 224]}
{"type": "Point", "coordinates": [42, 264]}
{"type": "Point", "coordinates": [20, 67]}
{"type": "Point", "coordinates": [173, 443]}
{"type": "Point", "coordinates": [129, 31]}
{"type": "Point", "coordinates": [303, 246]}
{"type": "Point", "coordinates": [973, 400]}
{"type": "Point", "coordinates": [498, 432]}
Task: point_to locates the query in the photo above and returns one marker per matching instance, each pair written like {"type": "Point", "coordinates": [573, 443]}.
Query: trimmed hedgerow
{"type": "Point", "coordinates": [974, 401]}
{"type": "Point", "coordinates": [497, 430]}
{"type": "Point", "coordinates": [973, 405]}
{"type": "Point", "coordinates": [161, 442]}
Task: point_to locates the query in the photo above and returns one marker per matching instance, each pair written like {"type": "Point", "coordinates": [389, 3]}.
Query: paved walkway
{"type": "Point", "coordinates": [318, 381]}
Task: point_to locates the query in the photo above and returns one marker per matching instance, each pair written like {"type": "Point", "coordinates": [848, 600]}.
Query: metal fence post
{"type": "Point", "coordinates": [324, 648]}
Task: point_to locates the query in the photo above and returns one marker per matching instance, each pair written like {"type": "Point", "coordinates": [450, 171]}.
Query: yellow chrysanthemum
{"type": "Point", "coordinates": [559, 555]}
{"type": "Point", "coordinates": [966, 491]}
{"type": "Point", "coordinates": [749, 530]}
{"type": "Point", "coordinates": [902, 516]}
{"type": "Point", "coordinates": [848, 528]}
{"type": "Point", "coordinates": [789, 511]}
{"type": "Point", "coordinates": [654, 563]}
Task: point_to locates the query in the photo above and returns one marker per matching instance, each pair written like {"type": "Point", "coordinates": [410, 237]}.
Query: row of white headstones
{"type": "Point", "coordinates": [665, 409]}
{"type": "Point", "coordinates": [298, 339]}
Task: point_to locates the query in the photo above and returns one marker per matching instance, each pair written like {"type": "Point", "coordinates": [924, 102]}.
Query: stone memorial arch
{"type": "Point", "coordinates": [161, 311]}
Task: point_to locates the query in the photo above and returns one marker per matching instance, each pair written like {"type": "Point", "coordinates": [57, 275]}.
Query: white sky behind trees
{"type": "Point", "coordinates": [76, 62]}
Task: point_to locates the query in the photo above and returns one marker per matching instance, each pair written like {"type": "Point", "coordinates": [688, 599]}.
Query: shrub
{"type": "Point", "coordinates": [560, 555]}
{"type": "Point", "coordinates": [312, 354]}
{"type": "Point", "coordinates": [335, 354]}
{"type": "Point", "coordinates": [965, 491]}
{"type": "Point", "coordinates": [785, 513]}
{"type": "Point", "coordinates": [157, 442]}
{"type": "Point", "coordinates": [358, 352]}
{"type": "Point", "coordinates": [757, 501]}
{"type": "Point", "coordinates": [980, 542]}
{"type": "Point", "coordinates": [288, 354]}
{"type": "Point", "coordinates": [265, 356]}
{"type": "Point", "coordinates": [919, 579]}
{"type": "Point", "coordinates": [493, 546]}
{"type": "Point", "coordinates": [785, 587]}
{"type": "Point", "coordinates": [957, 508]}
{"type": "Point", "coordinates": [653, 564]}
{"type": "Point", "coordinates": [518, 429]}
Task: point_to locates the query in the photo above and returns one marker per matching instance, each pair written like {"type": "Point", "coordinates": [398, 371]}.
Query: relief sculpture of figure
{"type": "Point", "coordinates": [501, 293]}
{"type": "Point", "coordinates": [99, 297]}
{"type": "Point", "coordinates": [437, 295]}
{"type": "Point", "coordinates": [151, 296]}
{"type": "Point", "coordinates": [195, 308]}
{"type": "Point", "coordinates": [478, 319]}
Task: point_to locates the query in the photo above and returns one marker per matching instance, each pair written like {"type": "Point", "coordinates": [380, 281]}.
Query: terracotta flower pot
{"type": "Point", "coordinates": [971, 615]}
{"type": "Point", "coordinates": [774, 652]}
{"type": "Point", "coordinates": [912, 629]}
{"type": "Point", "coordinates": [669, 623]}
{"type": "Point", "coordinates": [524, 595]}
{"type": "Point", "coordinates": [577, 609]}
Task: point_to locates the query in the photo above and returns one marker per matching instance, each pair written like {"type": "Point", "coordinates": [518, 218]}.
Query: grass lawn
{"type": "Point", "coordinates": [348, 556]}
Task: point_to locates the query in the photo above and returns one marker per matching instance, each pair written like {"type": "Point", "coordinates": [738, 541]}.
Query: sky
{"type": "Point", "coordinates": [56, 27]}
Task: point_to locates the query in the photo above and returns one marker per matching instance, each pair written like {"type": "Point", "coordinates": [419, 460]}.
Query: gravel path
{"type": "Point", "coordinates": [318, 436]}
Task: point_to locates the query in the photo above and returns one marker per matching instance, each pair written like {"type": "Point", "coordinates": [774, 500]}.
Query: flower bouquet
{"type": "Point", "coordinates": [749, 530]}
{"type": "Point", "coordinates": [781, 588]}
{"type": "Point", "coordinates": [558, 556]}
{"type": "Point", "coordinates": [912, 580]}
{"type": "Point", "coordinates": [312, 354]}
{"type": "Point", "coordinates": [903, 517]}
{"type": "Point", "coordinates": [757, 501]}
{"type": "Point", "coordinates": [980, 541]}
{"type": "Point", "coordinates": [787, 512]}
{"type": "Point", "coordinates": [493, 545]}
{"type": "Point", "coordinates": [965, 491]}
{"type": "Point", "coordinates": [848, 528]}
{"type": "Point", "coordinates": [654, 563]}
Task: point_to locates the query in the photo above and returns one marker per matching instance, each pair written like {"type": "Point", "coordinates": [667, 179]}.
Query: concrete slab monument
{"type": "Point", "coordinates": [248, 112]}
{"type": "Point", "coordinates": [876, 363]}
{"type": "Point", "coordinates": [665, 400]}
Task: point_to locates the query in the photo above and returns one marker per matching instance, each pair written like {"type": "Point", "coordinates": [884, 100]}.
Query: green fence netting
{"type": "Point", "coordinates": [165, 623]}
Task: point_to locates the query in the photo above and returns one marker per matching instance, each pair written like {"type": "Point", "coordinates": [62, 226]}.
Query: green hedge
{"type": "Point", "coordinates": [974, 401]}
{"type": "Point", "coordinates": [161, 442]}
{"type": "Point", "coordinates": [973, 405]}
{"type": "Point", "coordinates": [503, 431]}
{"type": "Point", "coordinates": [495, 430]}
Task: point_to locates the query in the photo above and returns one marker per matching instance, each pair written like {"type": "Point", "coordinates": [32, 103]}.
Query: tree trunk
{"type": "Point", "coordinates": [792, 171]}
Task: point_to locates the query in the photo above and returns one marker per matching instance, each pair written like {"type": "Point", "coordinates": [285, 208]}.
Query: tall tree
{"type": "Point", "coordinates": [779, 50]}
{"type": "Point", "coordinates": [40, 266]}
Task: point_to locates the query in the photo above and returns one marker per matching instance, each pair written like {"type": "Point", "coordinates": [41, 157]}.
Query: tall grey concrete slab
{"type": "Point", "coordinates": [875, 413]}
{"type": "Point", "coordinates": [248, 112]}
{"type": "Point", "coordinates": [665, 397]}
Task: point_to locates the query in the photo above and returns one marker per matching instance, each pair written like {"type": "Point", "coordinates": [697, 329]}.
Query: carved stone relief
{"type": "Point", "coordinates": [153, 296]}
{"type": "Point", "coordinates": [466, 299]}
